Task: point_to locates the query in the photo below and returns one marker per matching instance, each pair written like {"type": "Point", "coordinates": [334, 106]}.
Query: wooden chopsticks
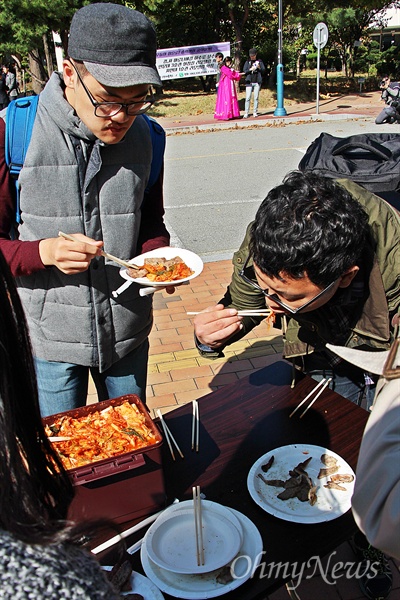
{"type": "Point", "coordinates": [320, 386]}
{"type": "Point", "coordinates": [169, 437]}
{"type": "Point", "coordinates": [195, 426]}
{"type": "Point", "coordinates": [246, 313]}
{"type": "Point", "coordinates": [198, 521]}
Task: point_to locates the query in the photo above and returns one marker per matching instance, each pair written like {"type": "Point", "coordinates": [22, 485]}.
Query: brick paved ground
{"type": "Point", "coordinates": [177, 373]}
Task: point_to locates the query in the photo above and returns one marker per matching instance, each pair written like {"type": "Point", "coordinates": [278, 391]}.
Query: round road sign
{"type": "Point", "coordinates": [320, 35]}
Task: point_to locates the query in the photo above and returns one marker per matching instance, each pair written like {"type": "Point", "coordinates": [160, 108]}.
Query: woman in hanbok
{"type": "Point", "coordinates": [227, 106]}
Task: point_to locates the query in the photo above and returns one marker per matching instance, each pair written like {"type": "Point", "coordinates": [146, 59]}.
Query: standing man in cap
{"type": "Point", "coordinates": [254, 70]}
{"type": "Point", "coordinates": [85, 173]}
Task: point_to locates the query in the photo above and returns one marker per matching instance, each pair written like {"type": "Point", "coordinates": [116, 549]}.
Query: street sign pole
{"type": "Point", "coordinates": [280, 110]}
{"type": "Point", "coordinates": [320, 37]}
{"type": "Point", "coordinates": [318, 68]}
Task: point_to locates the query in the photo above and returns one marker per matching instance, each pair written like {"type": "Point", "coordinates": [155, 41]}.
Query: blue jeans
{"type": "Point", "coordinates": [250, 88]}
{"type": "Point", "coordinates": [64, 386]}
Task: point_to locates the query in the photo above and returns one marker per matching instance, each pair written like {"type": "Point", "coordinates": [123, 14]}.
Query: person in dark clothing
{"type": "Point", "coordinates": [219, 59]}
{"type": "Point", "coordinates": [4, 101]}
{"type": "Point", "coordinates": [391, 95]}
{"type": "Point", "coordinates": [254, 70]}
{"type": "Point", "coordinates": [11, 82]}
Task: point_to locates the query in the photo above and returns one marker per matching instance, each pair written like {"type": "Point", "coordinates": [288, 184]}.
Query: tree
{"type": "Point", "coordinates": [25, 27]}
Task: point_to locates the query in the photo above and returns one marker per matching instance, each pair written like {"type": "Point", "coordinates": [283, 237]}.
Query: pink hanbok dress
{"type": "Point", "coordinates": [227, 106]}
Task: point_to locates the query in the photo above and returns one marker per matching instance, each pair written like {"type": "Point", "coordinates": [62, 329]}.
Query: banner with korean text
{"type": "Point", "coordinates": [190, 61]}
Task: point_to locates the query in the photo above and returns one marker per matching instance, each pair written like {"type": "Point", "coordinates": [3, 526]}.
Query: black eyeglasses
{"type": "Point", "coordinates": [110, 109]}
{"type": "Point", "coordinates": [274, 297]}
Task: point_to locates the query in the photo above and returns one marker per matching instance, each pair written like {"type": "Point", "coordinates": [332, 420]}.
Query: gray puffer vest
{"type": "Point", "coordinates": [74, 183]}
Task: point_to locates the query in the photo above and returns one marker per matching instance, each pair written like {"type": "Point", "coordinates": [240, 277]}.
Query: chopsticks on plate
{"type": "Point", "coordinates": [195, 426]}
{"type": "Point", "coordinates": [117, 538]}
{"type": "Point", "coordinates": [169, 437]}
{"type": "Point", "coordinates": [198, 521]}
{"type": "Point", "coordinates": [119, 261]}
{"type": "Point", "coordinates": [246, 313]}
{"type": "Point", "coordinates": [320, 386]}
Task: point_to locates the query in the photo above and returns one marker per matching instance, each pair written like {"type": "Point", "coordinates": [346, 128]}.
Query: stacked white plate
{"type": "Point", "coordinates": [169, 555]}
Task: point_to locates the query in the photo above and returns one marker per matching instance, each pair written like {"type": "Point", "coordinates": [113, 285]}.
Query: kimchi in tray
{"type": "Point", "coordinates": [101, 434]}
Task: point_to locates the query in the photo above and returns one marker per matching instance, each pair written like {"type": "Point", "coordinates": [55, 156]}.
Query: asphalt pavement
{"type": "Point", "coordinates": [338, 107]}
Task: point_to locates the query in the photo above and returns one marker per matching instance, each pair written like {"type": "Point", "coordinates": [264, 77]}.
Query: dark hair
{"type": "Point", "coordinates": [227, 59]}
{"type": "Point", "coordinates": [308, 225]}
{"type": "Point", "coordinates": [219, 55]}
{"type": "Point", "coordinates": [35, 490]}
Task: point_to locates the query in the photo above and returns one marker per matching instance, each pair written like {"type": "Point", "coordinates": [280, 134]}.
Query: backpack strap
{"type": "Point", "coordinates": [20, 118]}
{"type": "Point", "coordinates": [157, 134]}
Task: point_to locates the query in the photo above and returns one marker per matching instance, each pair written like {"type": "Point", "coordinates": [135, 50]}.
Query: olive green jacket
{"type": "Point", "coordinates": [374, 327]}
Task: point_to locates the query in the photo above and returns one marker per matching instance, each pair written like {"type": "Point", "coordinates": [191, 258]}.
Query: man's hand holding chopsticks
{"type": "Point", "coordinates": [216, 324]}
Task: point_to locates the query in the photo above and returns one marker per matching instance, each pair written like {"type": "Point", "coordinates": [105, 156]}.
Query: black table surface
{"type": "Point", "coordinates": [238, 424]}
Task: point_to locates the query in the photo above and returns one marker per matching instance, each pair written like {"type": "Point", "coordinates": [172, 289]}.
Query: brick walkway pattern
{"type": "Point", "coordinates": [177, 373]}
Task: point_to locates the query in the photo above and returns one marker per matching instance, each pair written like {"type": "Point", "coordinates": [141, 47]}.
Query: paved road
{"type": "Point", "coordinates": [215, 181]}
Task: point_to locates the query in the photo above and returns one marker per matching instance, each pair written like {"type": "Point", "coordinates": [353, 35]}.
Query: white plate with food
{"type": "Point", "coordinates": [170, 273]}
{"type": "Point", "coordinates": [323, 493]}
{"type": "Point", "coordinates": [171, 541]}
{"type": "Point", "coordinates": [215, 583]}
{"type": "Point", "coordinates": [141, 585]}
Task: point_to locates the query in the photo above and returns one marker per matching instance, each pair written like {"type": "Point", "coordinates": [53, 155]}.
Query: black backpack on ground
{"type": "Point", "coordinates": [370, 159]}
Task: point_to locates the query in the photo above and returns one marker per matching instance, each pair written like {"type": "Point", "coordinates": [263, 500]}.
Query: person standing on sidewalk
{"type": "Point", "coordinates": [254, 70]}
{"type": "Point", "coordinates": [227, 106]}
{"type": "Point", "coordinates": [219, 59]}
{"type": "Point", "coordinates": [11, 82]}
{"type": "Point", "coordinates": [86, 173]}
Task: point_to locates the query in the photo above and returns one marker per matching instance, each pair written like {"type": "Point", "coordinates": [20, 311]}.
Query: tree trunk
{"type": "Point", "coordinates": [298, 65]}
{"type": "Point", "coordinates": [48, 55]}
{"type": "Point", "coordinates": [36, 71]}
{"type": "Point", "coordinates": [238, 27]}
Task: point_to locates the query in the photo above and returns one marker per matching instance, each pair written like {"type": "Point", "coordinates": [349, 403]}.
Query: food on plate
{"type": "Point", "coordinates": [332, 485]}
{"type": "Point", "coordinates": [120, 574]}
{"type": "Point", "coordinates": [328, 471]}
{"type": "Point", "coordinates": [331, 465]}
{"type": "Point", "coordinates": [225, 575]}
{"type": "Point", "coordinates": [161, 269]}
{"type": "Point", "coordinates": [334, 482]}
{"type": "Point", "coordinates": [342, 478]}
{"type": "Point", "coordinates": [328, 460]}
{"type": "Point", "coordinates": [267, 465]}
{"type": "Point", "coordinates": [101, 434]}
{"type": "Point", "coordinates": [299, 485]}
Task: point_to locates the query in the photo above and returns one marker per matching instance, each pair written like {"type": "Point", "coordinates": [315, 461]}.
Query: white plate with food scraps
{"type": "Point", "coordinates": [212, 584]}
{"type": "Point", "coordinates": [330, 504]}
{"type": "Point", "coordinates": [192, 260]}
{"type": "Point", "coordinates": [141, 585]}
{"type": "Point", "coordinates": [171, 541]}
